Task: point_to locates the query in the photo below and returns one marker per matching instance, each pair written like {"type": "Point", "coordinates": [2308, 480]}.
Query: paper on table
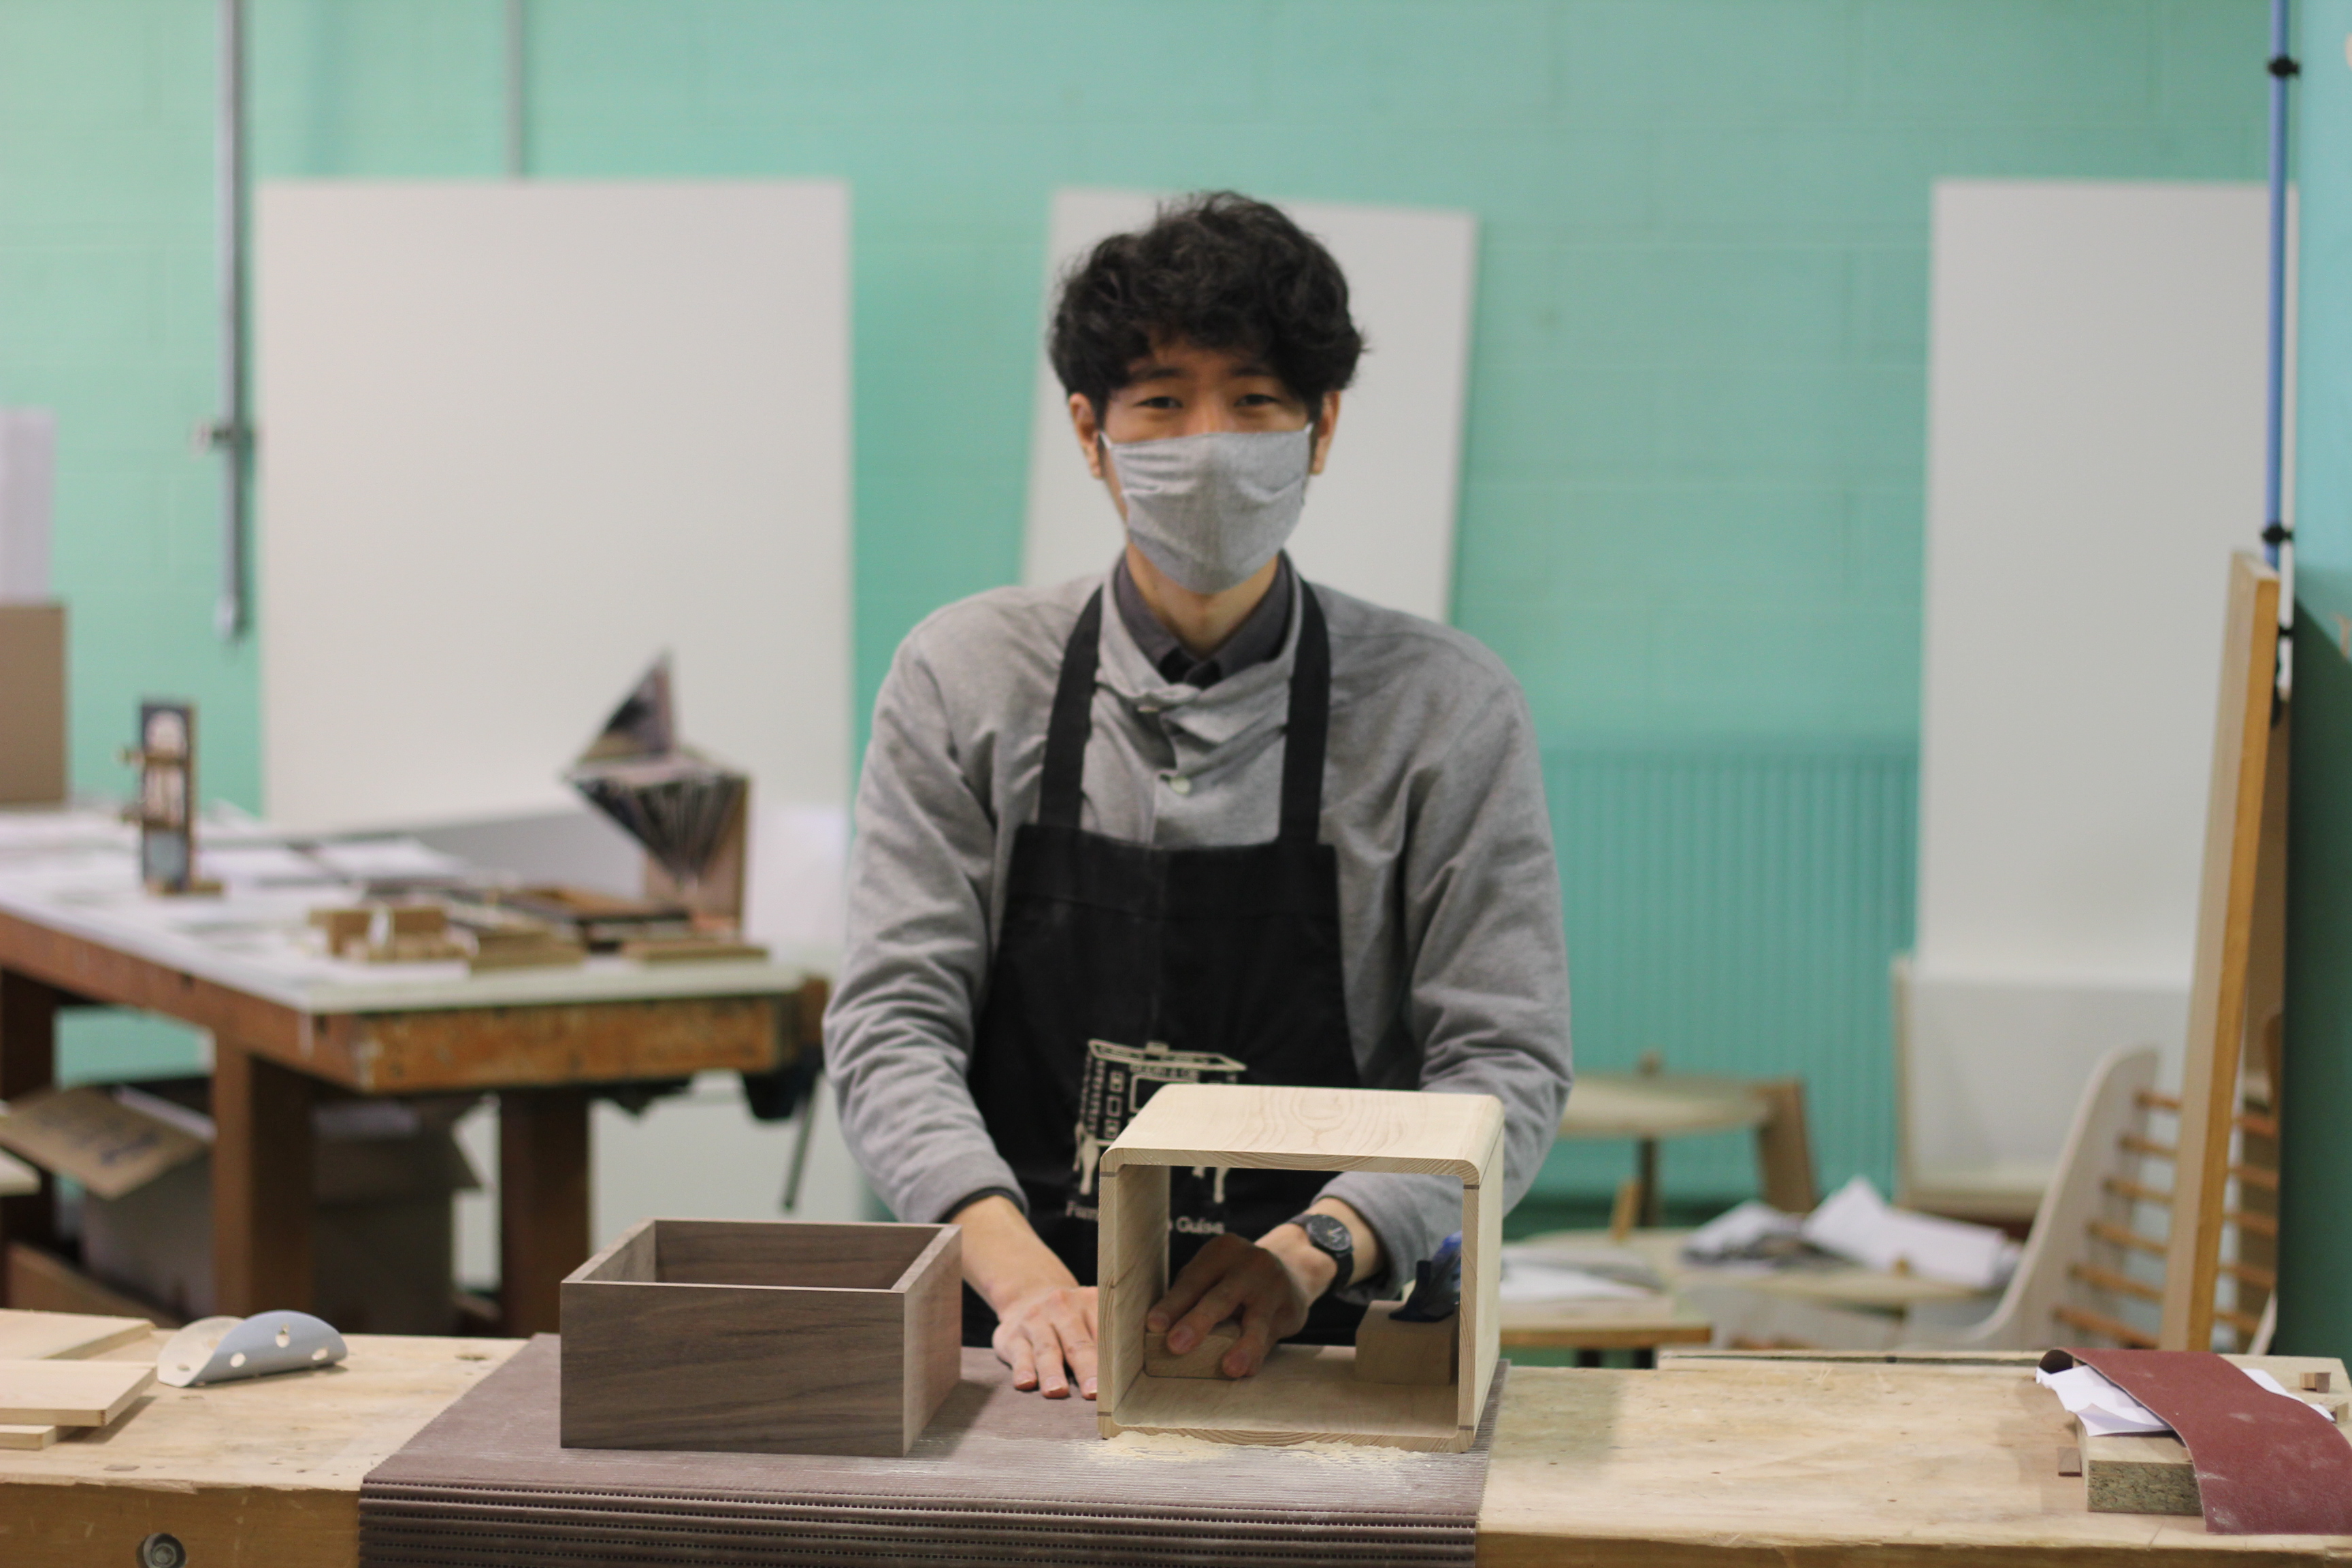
{"type": "Point", "coordinates": [388, 858]}
{"type": "Point", "coordinates": [1737, 1232]}
{"type": "Point", "coordinates": [1526, 1279]}
{"type": "Point", "coordinates": [2106, 1411]}
{"type": "Point", "coordinates": [1854, 1222]}
{"type": "Point", "coordinates": [250, 864]}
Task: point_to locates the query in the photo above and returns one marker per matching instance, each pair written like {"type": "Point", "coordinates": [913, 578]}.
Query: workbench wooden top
{"type": "Point", "coordinates": [1707, 1460]}
{"type": "Point", "coordinates": [264, 1473]}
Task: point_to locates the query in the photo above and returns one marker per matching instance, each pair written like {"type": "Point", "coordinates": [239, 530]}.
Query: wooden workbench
{"type": "Point", "coordinates": [76, 928]}
{"type": "Point", "coordinates": [1707, 1461]}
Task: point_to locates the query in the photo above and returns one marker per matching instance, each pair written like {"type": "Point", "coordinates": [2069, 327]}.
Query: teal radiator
{"type": "Point", "coordinates": [1733, 906]}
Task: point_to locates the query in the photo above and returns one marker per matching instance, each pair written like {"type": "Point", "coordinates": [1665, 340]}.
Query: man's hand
{"type": "Point", "coordinates": [1231, 1279]}
{"type": "Point", "coordinates": [1037, 1333]}
{"type": "Point", "coordinates": [1044, 1317]}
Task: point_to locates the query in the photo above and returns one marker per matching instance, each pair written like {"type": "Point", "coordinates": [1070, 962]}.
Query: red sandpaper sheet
{"type": "Point", "coordinates": [2267, 1464]}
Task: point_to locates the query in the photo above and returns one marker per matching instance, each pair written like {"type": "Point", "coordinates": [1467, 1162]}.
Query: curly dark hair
{"type": "Point", "coordinates": [1217, 269]}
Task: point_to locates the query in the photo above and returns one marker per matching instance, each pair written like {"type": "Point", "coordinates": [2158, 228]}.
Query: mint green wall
{"type": "Point", "coordinates": [2315, 1273]}
{"type": "Point", "coordinates": [1690, 504]}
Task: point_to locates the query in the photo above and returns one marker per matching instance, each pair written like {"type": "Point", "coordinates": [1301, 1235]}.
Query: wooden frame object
{"type": "Point", "coordinates": [1301, 1394]}
{"type": "Point", "coordinates": [2237, 989]}
{"type": "Point", "coordinates": [762, 1336]}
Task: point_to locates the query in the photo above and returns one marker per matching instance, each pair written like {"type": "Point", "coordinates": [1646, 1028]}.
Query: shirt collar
{"type": "Point", "coordinates": [1258, 638]}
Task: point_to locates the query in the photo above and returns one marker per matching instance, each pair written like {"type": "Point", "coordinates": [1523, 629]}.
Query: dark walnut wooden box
{"type": "Point", "coordinates": [763, 1337]}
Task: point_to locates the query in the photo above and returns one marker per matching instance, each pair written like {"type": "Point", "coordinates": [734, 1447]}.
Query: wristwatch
{"type": "Point", "coordinates": [1331, 1237]}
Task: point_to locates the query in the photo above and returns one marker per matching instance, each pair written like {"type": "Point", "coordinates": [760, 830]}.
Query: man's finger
{"type": "Point", "coordinates": [1047, 1345]}
{"type": "Point", "coordinates": [1222, 1301]}
{"type": "Point", "coordinates": [1082, 1355]}
{"type": "Point", "coordinates": [1191, 1281]}
{"type": "Point", "coordinates": [1249, 1353]}
{"type": "Point", "coordinates": [1013, 1349]}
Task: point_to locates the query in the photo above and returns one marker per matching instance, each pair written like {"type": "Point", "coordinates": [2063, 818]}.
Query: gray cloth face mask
{"type": "Point", "coordinates": [1210, 510]}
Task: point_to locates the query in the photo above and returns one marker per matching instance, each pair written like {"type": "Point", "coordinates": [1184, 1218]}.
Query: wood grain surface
{"type": "Point", "coordinates": [38, 1336]}
{"type": "Point", "coordinates": [1268, 1127]}
{"type": "Point", "coordinates": [761, 1337]}
{"type": "Point", "coordinates": [2217, 990]}
{"type": "Point", "coordinates": [259, 1474]}
{"type": "Point", "coordinates": [69, 1393]}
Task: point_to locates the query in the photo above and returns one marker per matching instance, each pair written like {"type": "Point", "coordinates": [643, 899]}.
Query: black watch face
{"type": "Point", "coordinates": [1328, 1234]}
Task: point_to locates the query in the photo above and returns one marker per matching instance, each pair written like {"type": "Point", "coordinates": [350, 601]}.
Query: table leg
{"type": "Point", "coordinates": [265, 1188]}
{"type": "Point", "coordinates": [542, 1202]}
{"type": "Point", "coordinates": [28, 1056]}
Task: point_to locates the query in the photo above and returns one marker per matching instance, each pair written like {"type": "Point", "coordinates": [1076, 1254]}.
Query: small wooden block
{"type": "Point", "coordinates": [417, 919]}
{"type": "Point", "coordinates": [537, 955]}
{"type": "Point", "coordinates": [69, 1393]}
{"type": "Point", "coordinates": [658, 950]}
{"type": "Point", "coordinates": [1200, 1360]}
{"type": "Point", "coordinates": [41, 1336]}
{"type": "Point", "coordinates": [1390, 1352]}
{"type": "Point", "coordinates": [2315, 1381]}
{"type": "Point", "coordinates": [28, 1436]}
{"type": "Point", "coordinates": [2070, 1461]}
{"type": "Point", "coordinates": [341, 925]}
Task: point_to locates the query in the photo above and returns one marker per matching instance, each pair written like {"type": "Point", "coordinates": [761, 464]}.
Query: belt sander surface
{"type": "Point", "coordinates": [999, 1476]}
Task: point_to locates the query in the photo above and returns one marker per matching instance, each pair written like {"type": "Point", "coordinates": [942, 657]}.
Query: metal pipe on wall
{"type": "Point", "coordinates": [231, 435]}
{"type": "Point", "coordinates": [2278, 540]}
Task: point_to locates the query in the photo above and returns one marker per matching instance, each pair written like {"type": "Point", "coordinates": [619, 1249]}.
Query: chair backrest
{"type": "Point", "coordinates": [2064, 1240]}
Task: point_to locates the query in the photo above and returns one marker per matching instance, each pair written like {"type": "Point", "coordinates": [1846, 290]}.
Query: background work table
{"type": "Point", "coordinates": [1707, 1460]}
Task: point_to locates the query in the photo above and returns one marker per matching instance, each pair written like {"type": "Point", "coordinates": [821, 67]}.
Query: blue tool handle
{"type": "Point", "coordinates": [1436, 1286]}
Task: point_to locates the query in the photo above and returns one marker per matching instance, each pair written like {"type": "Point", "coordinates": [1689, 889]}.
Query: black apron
{"type": "Point", "coordinates": [1122, 967]}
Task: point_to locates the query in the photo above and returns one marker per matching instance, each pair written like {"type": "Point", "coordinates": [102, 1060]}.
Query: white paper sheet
{"type": "Point", "coordinates": [1855, 1222]}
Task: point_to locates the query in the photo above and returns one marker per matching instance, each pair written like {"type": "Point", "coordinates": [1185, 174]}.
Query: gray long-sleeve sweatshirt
{"type": "Point", "coordinates": [1456, 969]}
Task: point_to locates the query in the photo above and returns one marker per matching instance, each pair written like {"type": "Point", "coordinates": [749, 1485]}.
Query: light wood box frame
{"type": "Point", "coordinates": [762, 1336]}
{"type": "Point", "coordinates": [1302, 1393]}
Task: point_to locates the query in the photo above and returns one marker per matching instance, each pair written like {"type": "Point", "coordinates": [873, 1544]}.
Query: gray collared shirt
{"type": "Point", "coordinates": [1255, 640]}
{"type": "Point", "coordinates": [1455, 967]}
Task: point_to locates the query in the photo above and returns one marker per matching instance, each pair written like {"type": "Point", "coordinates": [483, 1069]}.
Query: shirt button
{"type": "Point", "coordinates": [1180, 784]}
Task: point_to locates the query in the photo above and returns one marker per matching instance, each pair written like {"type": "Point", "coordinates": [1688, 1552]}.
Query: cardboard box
{"type": "Point", "coordinates": [384, 1246]}
{"type": "Point", "coordinates": [763, 1337]}
{"type": "Point", "coordinates": [32, 704]}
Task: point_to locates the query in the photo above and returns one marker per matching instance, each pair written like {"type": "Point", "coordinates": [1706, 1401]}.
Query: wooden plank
{"type": "Point", "coordinates": [12, 1436]}
{"type": "Point", "coordinates": [932, 1332]}
{"type": "Point", "coordinates": [1482, 1280]}
{"type": "Point", "coordinates": [833, 1255]}
{"type": "Point", "coordinates": [1304, 1394]}
{"type": "Point", "coordinates": [1131, 1269]}
{"type": "Point", "coordinates": [38, 1336]}
{"type": "Point", "coordinates": [259, 1473]}
{"type": "Point", "coordinates": [2226, 916]}
{"type": "Point", "coordinates": [264, 1183]}
{"type": "Point", "coordinates": [1263, 1127]}
{"type": "Point", "coordinates": [32, 704]}
{"type": "Point", "coordinates": [1784, 1148]}
{"type": "Point", "coordinates": [69, 1393]}
{"type": "Point", "coordinates": [542, 1204]}
{"type": "Point", "coordinates": [587, 1042]}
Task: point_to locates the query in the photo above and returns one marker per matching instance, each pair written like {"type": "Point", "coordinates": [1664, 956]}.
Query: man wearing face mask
{"type": "Point", "coordinates": [1192, 820]}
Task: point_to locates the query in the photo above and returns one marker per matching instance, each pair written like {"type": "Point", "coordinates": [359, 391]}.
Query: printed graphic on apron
{"type": "Point", "coordinates": [1119, 1078]}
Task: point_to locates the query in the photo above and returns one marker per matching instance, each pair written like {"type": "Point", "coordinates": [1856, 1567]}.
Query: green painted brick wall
{"type": "Point", "coordinates": [1692, 490]}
